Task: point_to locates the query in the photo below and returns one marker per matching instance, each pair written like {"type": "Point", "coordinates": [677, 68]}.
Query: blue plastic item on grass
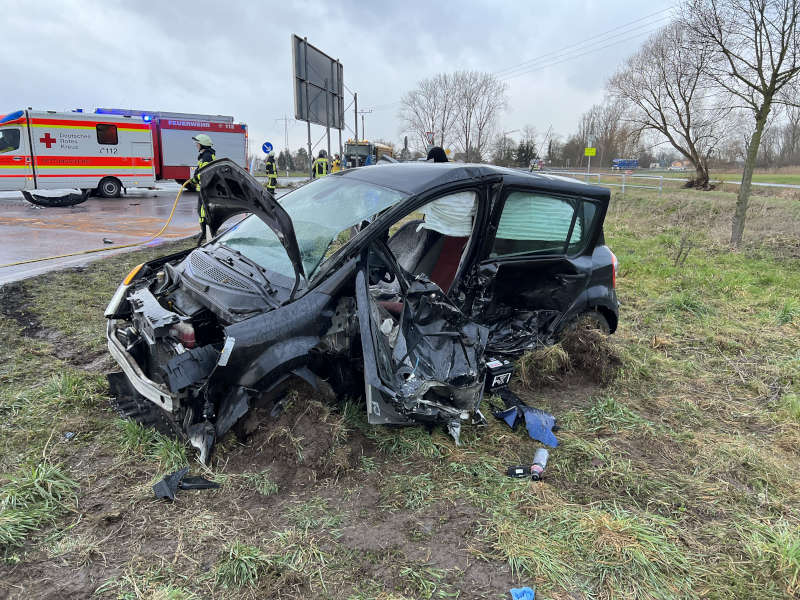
{"type": "Point", "coordinates": [538, 423]}
{"type": "Point", "coordinates": [523, 593]}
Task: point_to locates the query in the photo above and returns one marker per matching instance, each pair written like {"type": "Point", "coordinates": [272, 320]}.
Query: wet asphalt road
{"type": "Point", "coordinates": [29, 232]}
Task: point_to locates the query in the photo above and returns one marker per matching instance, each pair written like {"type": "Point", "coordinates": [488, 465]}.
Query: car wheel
{"type": "Point", "coordinates": [109, 187]}
{"type": "Point", "coordinates": [592, 318]}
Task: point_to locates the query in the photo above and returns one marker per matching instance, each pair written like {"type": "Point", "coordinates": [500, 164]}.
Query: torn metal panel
{"type": "Point", "coordinates": [427, 362]}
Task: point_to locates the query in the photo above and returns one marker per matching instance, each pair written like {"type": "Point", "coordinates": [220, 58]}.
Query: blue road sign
{"type": "Point", "coordinates": [267, 147]}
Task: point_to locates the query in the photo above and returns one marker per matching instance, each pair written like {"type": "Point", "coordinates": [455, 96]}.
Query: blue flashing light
{"type": "Point", "coordinates": [146, 118]}
{"type": "Point", "coordinates": [11, 116]}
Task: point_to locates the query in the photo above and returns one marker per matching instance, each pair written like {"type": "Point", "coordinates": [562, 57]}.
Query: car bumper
{"type": "Point", "coordinates": [155, 392]}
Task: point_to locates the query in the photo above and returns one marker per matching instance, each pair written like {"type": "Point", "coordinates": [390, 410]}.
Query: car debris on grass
{"type": "Point", "coordinates": [396, 281]}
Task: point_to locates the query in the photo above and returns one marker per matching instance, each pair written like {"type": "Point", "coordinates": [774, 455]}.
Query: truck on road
{"type": "Point", "coordinates": [108, 150]}
{"type": "Point", "coordinates": [359, 153]}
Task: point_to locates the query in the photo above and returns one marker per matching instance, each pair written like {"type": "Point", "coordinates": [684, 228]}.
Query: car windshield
{"type": "Point", "coordinates": [320, 211]}
{"type": "Point", "coordinates": [360, 150]}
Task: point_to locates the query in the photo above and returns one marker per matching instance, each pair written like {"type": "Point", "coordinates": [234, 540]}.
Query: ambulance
{"type": "Point", "coordinates": [50, 150]}
{"type": "Point", "coordinates": [108, 150]}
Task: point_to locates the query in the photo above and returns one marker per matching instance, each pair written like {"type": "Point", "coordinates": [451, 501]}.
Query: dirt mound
{"type": "Point", "coordinates": [307, 441]}
{"type": "Point", "coordinates": [583, 349]}
{"type": "Point", "coordinates": [591, 351]}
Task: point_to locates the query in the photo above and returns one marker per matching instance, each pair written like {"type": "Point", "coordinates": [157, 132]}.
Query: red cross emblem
{"type": "Point", "coordinates": [47, 140]}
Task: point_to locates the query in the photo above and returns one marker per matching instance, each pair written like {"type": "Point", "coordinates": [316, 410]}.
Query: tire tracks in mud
{"type": "Point", "coordinates": [15, 304]}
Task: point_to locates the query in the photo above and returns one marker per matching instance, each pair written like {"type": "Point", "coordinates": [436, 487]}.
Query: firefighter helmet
{"type": "Point", "coordinates": [322, 154]}
{"type": "Point", "coordinates": [203, 140]}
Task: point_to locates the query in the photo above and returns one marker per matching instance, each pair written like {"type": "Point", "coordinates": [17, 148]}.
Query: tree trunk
{"type": "Point", "coordinates": [737, 231]}
{"type": "Point", "coordinates": [700, 176]}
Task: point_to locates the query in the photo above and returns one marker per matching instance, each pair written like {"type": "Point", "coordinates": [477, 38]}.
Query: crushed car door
{"type": "Point", "coordinates": [423, 359]}
{"type": "Point", "coordinates": [536, 266]}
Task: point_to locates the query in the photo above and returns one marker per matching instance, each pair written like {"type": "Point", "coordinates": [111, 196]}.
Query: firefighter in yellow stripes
{"type": "Point", "coordinates": [320, 167]}
{"type": "Point", "coordinates": [205, 148]}
{"type": "Point", "coordinates": [272, 173]}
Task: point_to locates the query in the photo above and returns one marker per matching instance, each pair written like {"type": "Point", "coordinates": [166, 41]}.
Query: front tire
{"type": "Point", "coordinates": [109, 187]}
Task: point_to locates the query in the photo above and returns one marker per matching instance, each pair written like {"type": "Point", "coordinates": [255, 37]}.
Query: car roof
{"type": "Point", "coordinates": [417, 177]}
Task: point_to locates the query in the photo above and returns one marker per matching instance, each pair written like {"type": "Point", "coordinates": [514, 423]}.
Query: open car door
{"type": "Point", "coordinates": [423, 359]}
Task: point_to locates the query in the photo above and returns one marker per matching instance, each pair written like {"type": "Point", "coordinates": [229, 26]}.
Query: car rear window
{"type": "Point", "coordinates": [539, 224]}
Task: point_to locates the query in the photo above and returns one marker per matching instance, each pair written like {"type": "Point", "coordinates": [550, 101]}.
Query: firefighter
{"type": "Point", "coordinates": [272, 173]}
{"type": "Point", "coordinates": [437, 154]}
{"type": "Point", "coordinates": [320, 166]}
{"type": "Point", "coordinates": [337, 164]}
{"type": "Point", "coordinates": [205, 148]}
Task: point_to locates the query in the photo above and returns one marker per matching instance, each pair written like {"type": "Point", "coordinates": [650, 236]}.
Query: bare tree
{"type": "Point", "coordinates": [604, 127]}
{"type": "Point", "coordinates": [490, 101]}
{"type": "Point", "coordinates": [461, 107]}
{"type": "Point", "coordinates": [664, 86]}
{"type": "Point", "coordinates": [755, 56]}
{"type": "Point", "coordinates": [430, 107]}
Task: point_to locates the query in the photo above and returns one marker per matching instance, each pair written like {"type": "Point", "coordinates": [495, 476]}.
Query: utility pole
{"type": "Point", "coordinates": [286, 120]}
{"type": "Point", "coordinates": [363, 128]}
{"type": "Point", "coordinates": [355, 114]}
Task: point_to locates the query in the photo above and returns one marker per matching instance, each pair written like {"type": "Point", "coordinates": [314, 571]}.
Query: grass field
{"type": "Point", "coordinates": [679, 479]}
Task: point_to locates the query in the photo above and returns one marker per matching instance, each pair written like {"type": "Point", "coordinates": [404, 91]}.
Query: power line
{"type": "Point", "coordinates": [585, 41]}
{"type": "Point", "coordinates": [547, 60]}
{"type": "Point", "coordinates": [567, 58]}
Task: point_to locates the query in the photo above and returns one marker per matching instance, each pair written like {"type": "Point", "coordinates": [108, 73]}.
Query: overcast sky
{"type": "Point", "coordinates": [234, 58]}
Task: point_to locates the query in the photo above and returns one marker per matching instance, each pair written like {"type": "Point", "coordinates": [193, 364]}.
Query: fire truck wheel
{"type": "Point", "coordinates": [109, 187]}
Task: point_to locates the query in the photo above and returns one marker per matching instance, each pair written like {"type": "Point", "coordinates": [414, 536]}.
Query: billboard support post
{"type": "Point", "coordinates": [327, 121]}
{"type": "Point", "coordinates": [308, 123]}
{"type": "Point", "coordinates": [341, 116]}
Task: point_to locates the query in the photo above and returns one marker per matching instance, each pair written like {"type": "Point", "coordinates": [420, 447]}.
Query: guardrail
{"type": "Point", "coordinates": [626, 179]}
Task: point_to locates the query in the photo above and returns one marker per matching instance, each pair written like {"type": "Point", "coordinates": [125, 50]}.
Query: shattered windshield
{"type": "Point", "coordinates": [319, 212]}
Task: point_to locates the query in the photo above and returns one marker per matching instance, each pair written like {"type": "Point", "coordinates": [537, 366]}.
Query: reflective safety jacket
{"type": "Point", "coordinates": [272, 175]}
{"type": "Point", "coordinates": [337, 165]}
{"type": "Point", "coordinates": [206, 156]}
{"type": "Point", "coordinates": [320, 168]}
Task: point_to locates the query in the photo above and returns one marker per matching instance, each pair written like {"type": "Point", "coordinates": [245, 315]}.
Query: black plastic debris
{"type": "Point", "coordinates": [56, 198]}
{"type": "Point", "coordinates": [107, 241]}
{"type": "Point", "coordinates": [167, 487]}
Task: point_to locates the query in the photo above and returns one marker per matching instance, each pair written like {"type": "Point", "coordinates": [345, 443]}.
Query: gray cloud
{"type": "Point", "coordinates": [235, 57]}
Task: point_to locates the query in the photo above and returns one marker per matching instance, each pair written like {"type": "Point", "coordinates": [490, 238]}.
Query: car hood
{"type": "Point", "coordinates": [227, 190]}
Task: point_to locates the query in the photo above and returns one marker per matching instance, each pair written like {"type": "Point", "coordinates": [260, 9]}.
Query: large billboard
{"type": "Point", "coordinates": [318, 86]}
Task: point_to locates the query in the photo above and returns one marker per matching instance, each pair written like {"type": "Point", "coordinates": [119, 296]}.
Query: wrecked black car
{"type": "Point", "coordinates": [396, 281]}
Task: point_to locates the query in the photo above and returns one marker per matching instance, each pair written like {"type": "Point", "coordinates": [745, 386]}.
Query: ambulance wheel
{"type": "Point", "coordinates": [109, 187]}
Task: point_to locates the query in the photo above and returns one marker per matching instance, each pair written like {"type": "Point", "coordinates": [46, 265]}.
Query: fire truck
{"type": "Point", "coordinates": [109, 149]}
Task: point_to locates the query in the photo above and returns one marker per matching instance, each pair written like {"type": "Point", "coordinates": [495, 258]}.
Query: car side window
{"type": "Point", "coordinates": [583, 226]}
{"type": "Point", "coordinates": [9, 140]}
{"type": "Point", "coordinates": [107, 134]}
{"type": "Point", "coordinates": [536, 224]}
